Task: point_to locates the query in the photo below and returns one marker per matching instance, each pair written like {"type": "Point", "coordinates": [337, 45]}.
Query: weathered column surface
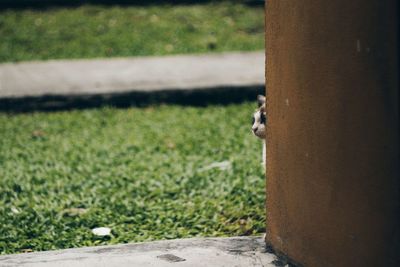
{"type": "Point", "coordinates": [332, 174]}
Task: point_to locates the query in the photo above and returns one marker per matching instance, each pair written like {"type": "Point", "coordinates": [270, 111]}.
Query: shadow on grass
{"type": "Point", "coordinates": [44, 4]}
{"type": "Point", "coordinates": [197, 97]}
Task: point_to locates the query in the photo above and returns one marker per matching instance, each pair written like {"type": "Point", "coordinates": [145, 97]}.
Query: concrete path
{"type": "Point", "coordinates": [123, 77]}
{"type": "Point", "coordinates": [197, 252]}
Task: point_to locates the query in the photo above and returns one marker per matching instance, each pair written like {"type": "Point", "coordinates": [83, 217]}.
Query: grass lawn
{"type": "Point", "coordinates": [102, 31]}
{"type": "Point", "coordinates": [139, 171]}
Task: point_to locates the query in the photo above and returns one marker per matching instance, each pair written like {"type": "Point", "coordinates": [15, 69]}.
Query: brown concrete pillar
{"type": "Point", "coordinates": [332, 153]}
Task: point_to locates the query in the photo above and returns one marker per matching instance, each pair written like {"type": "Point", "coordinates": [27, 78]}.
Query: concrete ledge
{"type": "Point", "coordinates": [207, 252]}
{"type": "Point", "coordinates": [191, 79]}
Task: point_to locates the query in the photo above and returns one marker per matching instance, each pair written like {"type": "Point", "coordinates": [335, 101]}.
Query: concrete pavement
{"type": "Point", "coordinates": [127, 81]}
{"type": "Point", "coordinates": [196, 252]}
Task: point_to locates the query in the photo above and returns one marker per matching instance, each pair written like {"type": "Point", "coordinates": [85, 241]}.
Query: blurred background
{"type": "Point", "coordinates": [63, 29]}
{"type": "Point", "coordinates": [160, 171]}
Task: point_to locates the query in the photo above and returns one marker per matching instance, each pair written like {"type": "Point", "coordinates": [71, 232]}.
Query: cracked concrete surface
{"type": "Point", "coordinates": [198, 252]}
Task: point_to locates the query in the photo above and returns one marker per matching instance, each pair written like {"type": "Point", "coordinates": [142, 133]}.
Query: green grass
{"type": "Point", "coordinates": [137, 171]}
{"type": "Point", "coordinates": [96, 31]}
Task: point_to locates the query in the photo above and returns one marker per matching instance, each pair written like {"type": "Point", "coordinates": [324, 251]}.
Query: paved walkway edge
{"type": "Point", "coordinates": [197, 252]}
{"type": "Point", "coordinates": [182, 79]}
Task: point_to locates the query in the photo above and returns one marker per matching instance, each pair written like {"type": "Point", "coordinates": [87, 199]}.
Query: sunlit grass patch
{"type": "Point", "coordinates": [143, 172]}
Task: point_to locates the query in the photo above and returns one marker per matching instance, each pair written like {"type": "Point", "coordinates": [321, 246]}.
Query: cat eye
{"type": "Point", "coordinates": [253, 121]}
{"type": "Point", "coordinates": [263, 119]}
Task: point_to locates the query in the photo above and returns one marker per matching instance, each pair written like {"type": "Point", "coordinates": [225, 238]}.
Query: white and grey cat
{"type": "Point", "coordinates": [259, 123]}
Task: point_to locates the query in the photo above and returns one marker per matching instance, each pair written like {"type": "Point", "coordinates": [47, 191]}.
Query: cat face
{"type": "Point", "coordinates": [260, 119]}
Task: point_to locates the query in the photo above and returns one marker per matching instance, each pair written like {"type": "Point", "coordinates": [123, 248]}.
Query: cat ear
{"type": "Point", "coordinates": [260, 100]}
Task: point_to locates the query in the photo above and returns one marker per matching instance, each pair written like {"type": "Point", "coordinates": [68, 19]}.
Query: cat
{"type": "Point", "coordinates": [259, 124]}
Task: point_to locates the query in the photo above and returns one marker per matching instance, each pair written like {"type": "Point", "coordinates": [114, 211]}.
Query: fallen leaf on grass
{"type": "Point", "coordinates": [101, 231]}
{"type": "Point", "coordinates": [223, 166]}
{"type": "Point", "coordinates": [170, 145]}
{"type": "Point", "coordinates": [74, 212]}
{"type": "Point", "coordinates": [38, 134]}
{"type": "Point", "coordinates": [15, 210]}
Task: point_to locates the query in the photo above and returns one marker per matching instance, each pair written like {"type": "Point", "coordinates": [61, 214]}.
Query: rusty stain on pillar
{"type": "Point", "coordinates": [332, 154]}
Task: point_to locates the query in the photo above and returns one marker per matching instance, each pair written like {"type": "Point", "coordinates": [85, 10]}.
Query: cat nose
{"type": "Point", "coordinates": [255, 129]}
